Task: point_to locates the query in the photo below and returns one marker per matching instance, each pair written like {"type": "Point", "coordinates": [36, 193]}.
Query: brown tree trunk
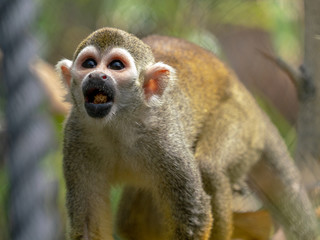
{"type": "Point", "coordinates": [308, 124]}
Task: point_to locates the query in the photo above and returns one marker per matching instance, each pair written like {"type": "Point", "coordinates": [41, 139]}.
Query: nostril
{"type": "Point", "coordinates": [98, 75]}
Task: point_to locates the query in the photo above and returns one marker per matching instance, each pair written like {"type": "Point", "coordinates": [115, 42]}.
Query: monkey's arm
{"type": "Point", "coordinates": [87, 193]}
{"type": "Point", "coordinates": [178, 188]}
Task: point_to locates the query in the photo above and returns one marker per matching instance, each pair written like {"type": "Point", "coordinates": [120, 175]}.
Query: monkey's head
{"type": "Point", "coordinates": [113, 71]}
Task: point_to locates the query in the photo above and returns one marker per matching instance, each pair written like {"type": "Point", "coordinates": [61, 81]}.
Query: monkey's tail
{"type": "Point", "coordinates": [277, 181]}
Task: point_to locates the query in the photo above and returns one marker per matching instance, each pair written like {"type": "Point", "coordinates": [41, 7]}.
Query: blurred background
{"type": "Point", "coordinates": [235, 30]}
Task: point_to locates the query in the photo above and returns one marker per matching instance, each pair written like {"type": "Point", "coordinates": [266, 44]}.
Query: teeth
{"type": "Point", "coordinates": [100, 98]}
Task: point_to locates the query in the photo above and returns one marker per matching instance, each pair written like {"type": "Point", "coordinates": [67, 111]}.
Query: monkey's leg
{"type": "Point", "coordinates": [277, 182]}
{"type": "Point", "coordinates": [138, 217]}
{"type": "Point", "coordinates": [217, 184]}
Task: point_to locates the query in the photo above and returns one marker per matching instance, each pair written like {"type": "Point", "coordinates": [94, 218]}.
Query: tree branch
{"type": "Point", "coordinates": [300, 79]}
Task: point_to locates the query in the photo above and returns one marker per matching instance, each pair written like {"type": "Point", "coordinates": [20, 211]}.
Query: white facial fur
{"type": "Point", "coordinates": [103, 60]}
{"type": "Point", "coordinates": [74, 75]}
{"type": "Point", "coordinates": [128, 90]}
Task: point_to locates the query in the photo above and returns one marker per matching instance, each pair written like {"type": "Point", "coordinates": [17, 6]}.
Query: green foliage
{"type": "Point", "coordinates": [242, 12]}
{"type": "Point", "coordinates": [286, 28]}
{"type": "Point", "coordinates": [68, 22]}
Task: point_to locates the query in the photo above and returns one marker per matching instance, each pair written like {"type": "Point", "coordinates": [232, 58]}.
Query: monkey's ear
{"type": "Point", "coordinates": [63, 68]}
{"type": "Point", "coordinates": [156, 79]}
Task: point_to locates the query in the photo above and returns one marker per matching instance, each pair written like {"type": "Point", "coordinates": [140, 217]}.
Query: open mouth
{"type": "Point", "coordinates": [96, 96]}
{"type": "Point", "coordinates": [99, 97]}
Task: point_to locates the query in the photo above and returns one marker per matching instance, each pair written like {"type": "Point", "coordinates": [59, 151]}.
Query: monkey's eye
{"type": "Point", "coordinates": [89, 63]}
{"type": "Point", "coordinates": [116, 65]}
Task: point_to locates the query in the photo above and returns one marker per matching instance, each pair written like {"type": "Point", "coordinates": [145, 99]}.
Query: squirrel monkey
{"type": "Point", "coordinates": [169, 121]}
